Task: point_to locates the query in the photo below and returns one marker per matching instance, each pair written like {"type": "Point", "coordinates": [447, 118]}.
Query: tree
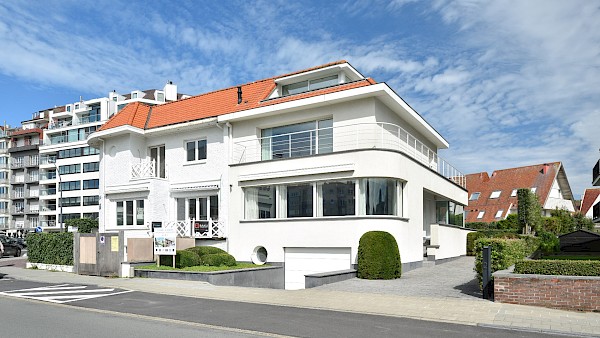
{"type": "Point", "coordinates": [582, 222]}
{"type": "Point", "coordinates": [83, 225]}
{"type": "Point", "coordinates": [529, 211]}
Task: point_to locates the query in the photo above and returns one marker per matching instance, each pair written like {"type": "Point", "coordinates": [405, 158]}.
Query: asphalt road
{"type": "Point", "coordinates": [145, 312]}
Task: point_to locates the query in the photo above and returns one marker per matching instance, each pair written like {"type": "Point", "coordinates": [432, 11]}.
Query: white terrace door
{"type": "Point", "coordinates": [157, 155]}
{"type": "Point", "coordinates": [200, 209]}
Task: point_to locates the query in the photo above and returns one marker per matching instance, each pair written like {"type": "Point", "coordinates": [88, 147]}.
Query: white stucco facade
{"type": "Point", "coordinates": [369, 163]}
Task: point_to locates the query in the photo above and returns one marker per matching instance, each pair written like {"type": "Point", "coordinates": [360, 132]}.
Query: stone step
{"type": "Point", "coordinates": [428, 264]}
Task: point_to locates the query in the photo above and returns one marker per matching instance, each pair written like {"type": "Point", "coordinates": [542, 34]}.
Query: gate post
{"type": "Point", "coordinates": [486, 272]}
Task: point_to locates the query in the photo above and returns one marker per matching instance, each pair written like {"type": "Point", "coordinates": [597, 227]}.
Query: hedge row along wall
{"type": "Point", "coordinates": [50, 248]}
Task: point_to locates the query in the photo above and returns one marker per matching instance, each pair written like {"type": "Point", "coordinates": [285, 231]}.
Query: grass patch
{"type": "Point", "coordinates": [573, 257]}
{"type": "Point", "coordinates": [201, 268]}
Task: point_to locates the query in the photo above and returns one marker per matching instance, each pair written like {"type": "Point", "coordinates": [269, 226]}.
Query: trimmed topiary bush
{"type": "Point", "coordinates": [218, 259]}
{"type": "Point", "coordinates": [378, 256]}
{"type": "Point", "coordinates": [558, 267]}
{"type": "Point", "coordinates": [185, 258]}
{"type": "Point", "coordinates": [205, 250]}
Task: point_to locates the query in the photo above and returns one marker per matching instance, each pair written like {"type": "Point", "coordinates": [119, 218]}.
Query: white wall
{"type": "Point", "coordinates": [452, 242]}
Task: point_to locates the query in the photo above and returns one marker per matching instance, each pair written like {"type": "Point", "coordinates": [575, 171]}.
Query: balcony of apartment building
{"type": "Point", "coordinates": [47, 161]}
{"type": "Point", "coordinates": [33, 177]}
{"type": "Point", "coordinates": [22, 144]}
{"type": "Point", "coordinates": [596, 174]}
{"type": "Point", "coordinates": [32, 161]}
{"type": "Point", "coordinates": [47, 175]}
{"type": "Point", "coordinates": [4, 166]}
{"type": "Point", "coordinates": [17, 179]}
{"type": "Point", "coordinates": [4, 180]}
{"type": "Point", "coordinates": [17, 163]}
{"type": "Point", "coordinates": [47, 207]}
{"type": "Point", "coordinates": [17, 210]}
{"type": "Point", "coordinates": [32, 209]}
{"type": "Point", "coordinates": [72, 135]}
{"type": "Point", "coordinates": [32, 194]}
{"type": "Point", "coordinates": [49, 192]}
{"type": "Point", "coordinates": [315, 141]}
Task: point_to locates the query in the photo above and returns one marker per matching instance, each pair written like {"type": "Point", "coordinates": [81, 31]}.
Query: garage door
{"type": "Point", "coordinates": [306, 261]}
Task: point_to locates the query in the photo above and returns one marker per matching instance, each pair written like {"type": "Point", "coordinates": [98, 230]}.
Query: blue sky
{"type": "Point", "coordinates": [507, 83]}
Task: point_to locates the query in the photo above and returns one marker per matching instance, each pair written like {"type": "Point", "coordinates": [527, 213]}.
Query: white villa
{"type": "Point", "coordinates": [290, 170]}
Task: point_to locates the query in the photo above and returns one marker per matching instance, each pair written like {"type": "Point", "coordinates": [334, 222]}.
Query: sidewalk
{"type": "Point", "coordinates": [454, 310]}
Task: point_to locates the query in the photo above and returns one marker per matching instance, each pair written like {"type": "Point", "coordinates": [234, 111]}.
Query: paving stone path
{"type": "Point", "coordinates": [454, 279]}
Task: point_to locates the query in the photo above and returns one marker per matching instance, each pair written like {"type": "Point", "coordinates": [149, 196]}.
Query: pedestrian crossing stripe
{"type": "Point", "coordinates": [63, 293]}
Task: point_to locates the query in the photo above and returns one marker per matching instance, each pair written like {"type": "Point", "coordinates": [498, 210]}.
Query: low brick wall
{"type": "Point", "coordinates": [558, 292]}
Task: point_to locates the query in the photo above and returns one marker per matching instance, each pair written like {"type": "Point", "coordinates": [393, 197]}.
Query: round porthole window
{"type": "Point", "coordinates": [259, 255]}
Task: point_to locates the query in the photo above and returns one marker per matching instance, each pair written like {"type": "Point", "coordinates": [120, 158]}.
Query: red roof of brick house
{"type": "Point", "coordinates": [496, 191]}
{"type": "Point", "coordinates": [216, 103]}
{"type": "Point", "coordinates": [590, 196]}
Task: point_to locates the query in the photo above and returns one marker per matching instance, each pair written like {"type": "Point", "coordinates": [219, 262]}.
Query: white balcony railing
{"type": "Point", "coordinates": [344, 138]}
{"type": "Point", "coordinates": [199, 228]}
{"type": "Point", "coordinates": [142, 170]}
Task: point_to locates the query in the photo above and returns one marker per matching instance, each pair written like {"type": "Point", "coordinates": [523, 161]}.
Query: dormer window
{"type": "Point", "coordinates": [304, 86]}
{"type": "Point", "coordinates": [76, 106]}
{"type": "Point", "coordinates": [495, 194]}
{"type": "Point", "coordinates": [513, 193]}
{"type": "Point", "coordinates": [160, 96]}
{"type": "Point", "coordinates": [474, 196]}
{"type": "Point", "coordinates": [134, 95]}
{"type": "Point", "coordinates": [68, 108]}
{"type": "Point", "coordinates": [114, 98]}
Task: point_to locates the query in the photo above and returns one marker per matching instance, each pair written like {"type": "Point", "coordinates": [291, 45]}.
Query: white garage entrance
{"type": "Point", "coordinates": [306, 261]}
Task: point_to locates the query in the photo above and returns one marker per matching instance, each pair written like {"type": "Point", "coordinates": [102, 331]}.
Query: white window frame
{"type": "Point", "coordinates": [496, 194]}
{"type": "Point", "coordinates": [513, 193]}
{"type": "Point", "coordinates": [135, 213]}
{"type": "Point", "coordinates": [481, 214]}
{"type": "Point", "coordinates": [499, 213]}
{"type": "Point", "coordinates": [474, 196]}
{"type": "Point", "coordinates": [196, 159]}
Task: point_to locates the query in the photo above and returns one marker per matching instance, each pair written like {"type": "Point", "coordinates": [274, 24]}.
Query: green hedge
{"type": "Point", "coordinates": [505, 252]}
{"type": "Point", "coordinates": [378, 256]}
{"type": "Point", "coordinates": [490, 233]}
{"type": "Point", "coordinates": [558, 267]}
{"type": "Point", "coordinates": [185, 258]}
{"type": "Point", "coordinates": [218, 259]}
{"type": "Point", "coordinates": [50, 248]}
{"type": "Point", "coordinates": [471, 238]}
{"type": "Point", "coordinates": [205, 250]}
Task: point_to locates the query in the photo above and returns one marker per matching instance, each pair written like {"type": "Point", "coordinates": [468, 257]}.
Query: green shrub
{"type": "Point", "coordinates": [558, 267]}
{"type": "Point", "coordinates": [471, 238]}
{"type": "Point", "coordinates": [378, 256]}
{"type": "Point", "coordinates": [529, 211]}
{"type": "Point", "coordinates": [218, 259]}
{"type": "Point", "coordinates": [511, 222]}
{"type": "Point", "coordinates": [505, 252]}
{"type": "Point", "coordinates": [50, 248]}
{"type": "Point", "coordinates": [205, 250]}
{"type": "Point", "coordinates": [549, 243]}
{"type": "Point", "coordinates": [83, 225]}
{"type": "Point", "coordinates": [185, 258]}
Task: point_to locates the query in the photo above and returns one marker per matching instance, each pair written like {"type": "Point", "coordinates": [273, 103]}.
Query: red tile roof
{"type": "Point", "coordinates": [216, 103]}
{"type": "Point", "coordinates": [589, 197]}
{"type": "Point", "coordinates": [29, 131]}
{"type": "Point", "coordinates": [540, 176]}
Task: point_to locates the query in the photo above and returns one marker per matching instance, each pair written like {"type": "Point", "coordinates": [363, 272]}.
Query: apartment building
{"type": "Point", "coordinates": [4, 179]}
{"type": "Point", "coordinates": [69, 168]}
{"type": "Point", "coordinates": [24, 176]}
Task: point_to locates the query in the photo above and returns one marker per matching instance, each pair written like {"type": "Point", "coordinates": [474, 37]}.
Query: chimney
{"type": "Point", "coordinates": [170, 90]}
{"type": "Point", "coordinates": [239, 94]}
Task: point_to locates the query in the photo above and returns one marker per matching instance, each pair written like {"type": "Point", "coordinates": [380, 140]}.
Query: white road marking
{"type": "Point", "coordinates": [63, 293]}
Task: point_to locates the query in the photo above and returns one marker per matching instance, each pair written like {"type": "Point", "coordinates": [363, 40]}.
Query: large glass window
{"type": "Point", "coordinates": [304, 86]}
{"type": "Point", "coordinates": [91, 167]}
{"type": "Point", "coordinates": [300, 200]}
{"type": "Point", "coordinates": [338, 198]}
{"type": "Point", "coordinates": [71, 185]}
{"type": "Point", "coordinates": [295, 140]}
{"type": "Point", "coordinates": [380, 196]}
{"type": "Point", "coordinates": [69, 169]}
{"type": "Point", "coordinates": [91, 184]}
{"type": "Point", "coordinates": [200, 209]}
{"type": "Point", "coordinates": [260, 202]}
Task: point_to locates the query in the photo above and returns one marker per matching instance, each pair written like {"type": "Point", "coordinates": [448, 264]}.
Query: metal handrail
{"type": "Point", "coordinates": [343, 138]}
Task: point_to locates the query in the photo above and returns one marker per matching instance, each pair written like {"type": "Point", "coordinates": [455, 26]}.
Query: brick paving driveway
{"type": "Point", "coordinates": [455, 279]}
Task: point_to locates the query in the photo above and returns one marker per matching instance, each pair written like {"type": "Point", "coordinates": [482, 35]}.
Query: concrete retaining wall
{"type": "Point", "coordinates": [579, 293]}
{"type": "Point", "coordinates": [267, 277]}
